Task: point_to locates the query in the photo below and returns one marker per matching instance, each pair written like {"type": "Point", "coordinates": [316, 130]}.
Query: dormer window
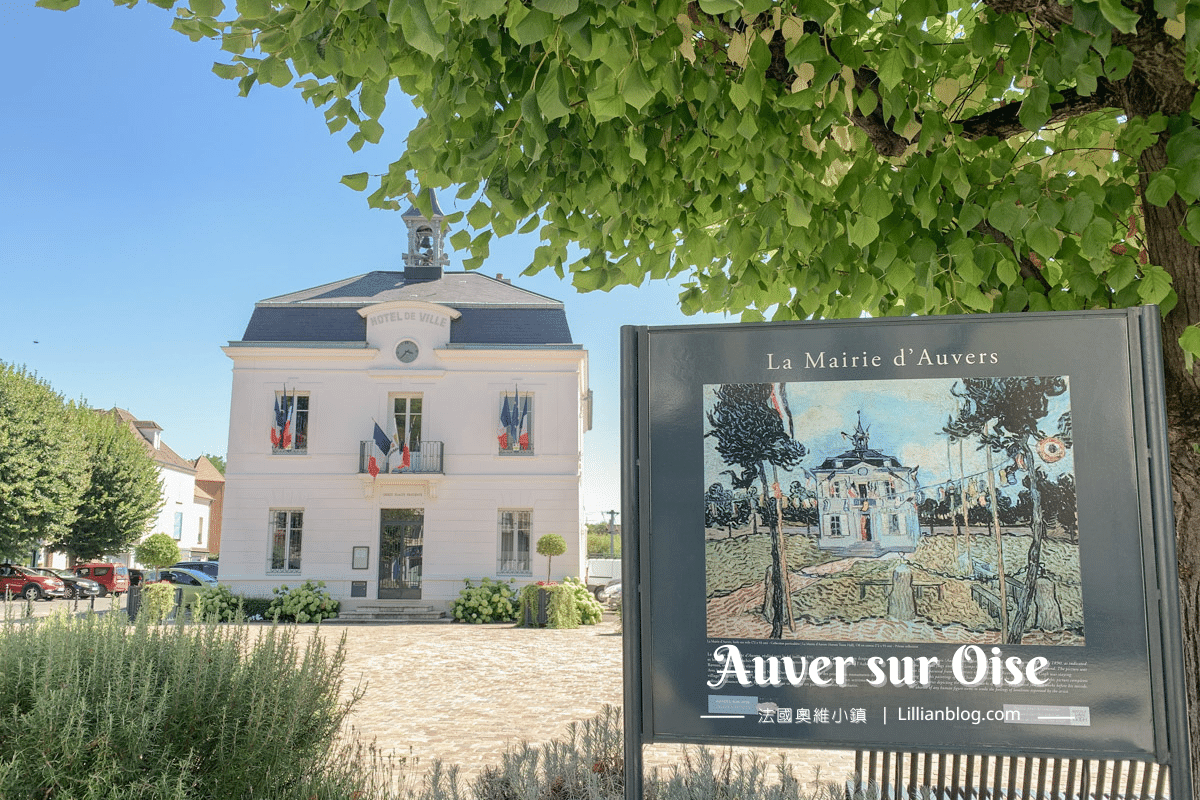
{"type": "Point", "coordinates": [150, 431]}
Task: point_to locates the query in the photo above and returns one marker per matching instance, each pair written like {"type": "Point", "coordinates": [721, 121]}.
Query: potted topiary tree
{"type": "Point", "coordinates": [157, 551]}
{"type": "Point", "coordinates": [535, 599]}
{"type": "Point", "coordinates": [549, 546]}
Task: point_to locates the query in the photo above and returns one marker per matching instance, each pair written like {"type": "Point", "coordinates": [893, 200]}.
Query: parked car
{"type": "Point", "coordinates": [111, 577]}
{"type": "Point", "coordinates": [610, 595]}
{"type": "Point", "coordinates": [190, 581]}
{"type": "Point", "coordinates": [73, 585]}
{"type": "Point", "coordinates": [17, 581]}
{"type": "Point", "coordinates": [209, 568]}
{"type": "Point", "coordinates": [135, 576]}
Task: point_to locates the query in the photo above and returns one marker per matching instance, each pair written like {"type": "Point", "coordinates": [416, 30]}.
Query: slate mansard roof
{"type": "Point", "coordinates": [863, 456]}
{"type": "Point", "coordinates": [494, 312]}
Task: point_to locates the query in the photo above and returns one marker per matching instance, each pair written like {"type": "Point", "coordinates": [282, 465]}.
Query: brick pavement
{"type": "Point", "coordinates": [465, 693]}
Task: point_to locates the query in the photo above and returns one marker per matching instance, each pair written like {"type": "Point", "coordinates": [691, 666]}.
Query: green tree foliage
{"type": "Point", "coordinates": [157, 551]}
{"type": "Point", "coordinates": [123, 495]}
{"type": "Point", "coordinates": [791, 158]}
{"type": "Point", "coordinates": [549, 546]}
{"type": "Point", "coordinates": [43, 463]}
{"type": "Point", "coordinates": [795, 157]}
{"type": "Point", "coordinates": [599, 543]}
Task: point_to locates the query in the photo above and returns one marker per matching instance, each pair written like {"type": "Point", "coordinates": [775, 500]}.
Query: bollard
{"type": "Point", "coordinates": [133, 603]}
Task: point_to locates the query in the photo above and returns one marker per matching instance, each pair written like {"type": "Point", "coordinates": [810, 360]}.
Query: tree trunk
{"type": "Point", "coordinates": [1167, 247]}
{"type": "Point", "coordinates": [1033, 563]}
{"type": "Point", "coordinates": [778, 596]}
{"type": "Point", "coordinates": [1047, 613]}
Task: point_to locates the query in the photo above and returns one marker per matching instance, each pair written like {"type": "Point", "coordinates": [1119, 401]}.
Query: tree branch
{"type": "Point", "coordinates": [886, 141]}
{"type": "Point", "coordinates": [1042, 12]}
{"type": "Point", "coordinates": [1003, 122]}
{"type": "Point", "coordinates": [1027, 267]}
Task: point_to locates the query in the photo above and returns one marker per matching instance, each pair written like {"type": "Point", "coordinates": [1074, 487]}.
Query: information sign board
{"type": "Point", "coordinates": [910, 533]}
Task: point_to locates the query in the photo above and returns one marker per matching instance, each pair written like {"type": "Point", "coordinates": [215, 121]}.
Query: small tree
{"type": "Point", "coordinates": [123, 495]}
{"type": "Point", "coordinates": [158, 551]}
{"type": "Point", "coordinates": [549, 546]}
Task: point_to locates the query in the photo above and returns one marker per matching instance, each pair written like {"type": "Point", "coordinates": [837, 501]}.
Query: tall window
{"type": "Point", "coordinates": [200, 531]}
{"type": "Point", "coordinates": [514, 542]}
{"type": "Point", "coordinates": [406, 412]}
{"type": "Point", "coordinates": [515, 431]}
{"type": "Point", "coordinates": [893, 524]}
{"type": "Point", "coordinates": [289, 424]}
{"type": "Point", "coordinates": [178, 534]}
{"type": "Point", "coordinates": [286, 528]}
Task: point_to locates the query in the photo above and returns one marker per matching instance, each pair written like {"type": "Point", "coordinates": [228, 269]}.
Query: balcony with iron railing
{"type": "Point", "coordinates": [423, 460]}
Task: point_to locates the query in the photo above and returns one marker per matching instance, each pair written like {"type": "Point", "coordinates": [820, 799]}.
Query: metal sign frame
{"type": "Point", "coordinates": [1128, 698]}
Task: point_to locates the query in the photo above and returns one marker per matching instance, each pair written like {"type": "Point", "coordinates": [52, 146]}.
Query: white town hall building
{"type": "Point", "coordinates": [395, 433]}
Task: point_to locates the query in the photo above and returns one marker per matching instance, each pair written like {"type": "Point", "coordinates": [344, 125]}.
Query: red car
{"type": "Point", "coordinates": [111, 577]}
{"type": "Point", "coordinates": [16, 581]}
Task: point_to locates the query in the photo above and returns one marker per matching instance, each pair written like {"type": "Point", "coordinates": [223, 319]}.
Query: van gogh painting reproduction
{"type": "Point", "coordinates": [932, 510]}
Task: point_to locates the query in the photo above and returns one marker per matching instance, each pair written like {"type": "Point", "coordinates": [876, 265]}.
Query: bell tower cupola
{"type": "Point", "coordinates": [425, 258]}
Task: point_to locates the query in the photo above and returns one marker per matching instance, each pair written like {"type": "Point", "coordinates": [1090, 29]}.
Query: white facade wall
{"type": "Point", "coordinates": [349, 390]}
{"type": "Point", "coordinates": [179, 498]}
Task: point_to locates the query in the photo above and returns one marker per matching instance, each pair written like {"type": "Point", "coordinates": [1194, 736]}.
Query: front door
{"type": "Point", "coordinates": [401, 539]}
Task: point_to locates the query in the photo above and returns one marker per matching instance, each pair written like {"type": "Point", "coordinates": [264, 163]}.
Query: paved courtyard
{"type": "Point", "coordinates": [464, 693]}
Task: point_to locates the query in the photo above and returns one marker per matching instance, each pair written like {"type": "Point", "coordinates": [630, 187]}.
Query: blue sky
{"type": "Point", "coordinates": [145, 208]}
{"type": "Point", "coordinates": [903, 418]}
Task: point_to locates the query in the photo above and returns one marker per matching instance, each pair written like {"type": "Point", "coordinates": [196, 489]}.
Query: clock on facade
{"type": "Point", "coordinates": [407, 351]}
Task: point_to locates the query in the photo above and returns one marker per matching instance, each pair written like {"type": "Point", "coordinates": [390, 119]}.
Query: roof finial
{"type": "Point", "coordinates": [860, 437]}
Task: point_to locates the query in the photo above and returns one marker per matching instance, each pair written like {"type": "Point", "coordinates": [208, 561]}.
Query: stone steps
{"type": "Point", "coordinates": [390, 611]}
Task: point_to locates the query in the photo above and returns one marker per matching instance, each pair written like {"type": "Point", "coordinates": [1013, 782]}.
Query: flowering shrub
{"type": "Point", "coordinates": [309, 603]}
{"type": "Point", "coordinates": [491, 601]}
{"type": "Point", "coordinates": [590, 610]}
{"type": "Point", "coordinates": [219, 605]}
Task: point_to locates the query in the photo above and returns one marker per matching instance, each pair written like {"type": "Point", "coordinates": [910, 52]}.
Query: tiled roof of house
{"type": "Point", "coordinates": [494, 312]}
{"type": "Point", "coordinates": [206, 471]}
{"type": "Point", "coordinates": [163, 455]}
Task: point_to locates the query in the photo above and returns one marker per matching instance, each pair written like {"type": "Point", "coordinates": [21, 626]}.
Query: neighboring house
{"type": "Point", "coordinates": [211, 484]}
{"type": "Point", "coordinates": [395, 433]}
{"type": "Point", "coordinates": [865, 500]}
{"type": "Point", "coordinates": [186, 511]}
